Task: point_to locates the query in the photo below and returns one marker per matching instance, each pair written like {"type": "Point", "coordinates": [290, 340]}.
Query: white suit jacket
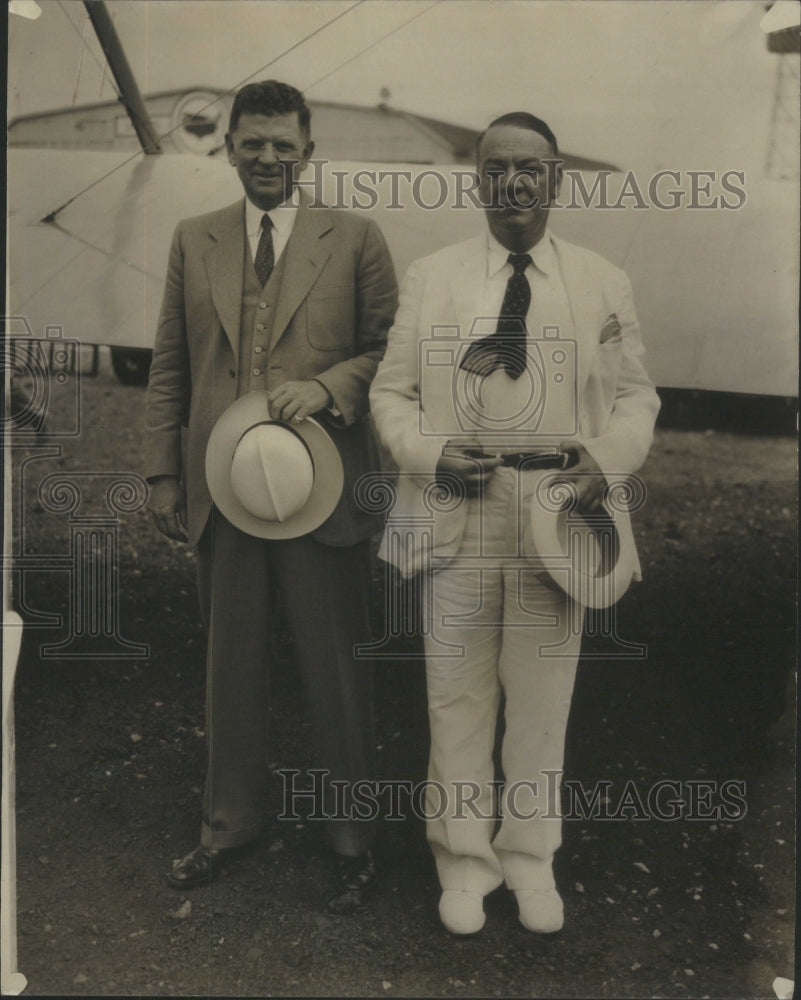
{"type": "Point", "coordinates": [412, 398]}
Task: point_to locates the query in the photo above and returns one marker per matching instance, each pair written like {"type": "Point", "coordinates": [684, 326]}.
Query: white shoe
{"type": "Point", "coordinates": [462, 912]}
{"type": "Point", "coordinates": [541, 910]}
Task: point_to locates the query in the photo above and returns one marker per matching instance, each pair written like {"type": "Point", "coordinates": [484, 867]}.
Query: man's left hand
{"type": "Point", "coordinates": [586, 476]}
{"type": "Point", "coordinates": [298, 400]}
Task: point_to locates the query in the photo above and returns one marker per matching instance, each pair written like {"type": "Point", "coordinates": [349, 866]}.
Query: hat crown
{"type": "Point", "coordinates": [272, 472]}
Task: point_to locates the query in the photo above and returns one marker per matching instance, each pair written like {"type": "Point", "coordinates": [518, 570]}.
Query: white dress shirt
{"type": "Point", "coordinates": [533, 410]}
{"type": "Point", "coordinates": [548, 295]}
{"type": "Point", "coordinates": [282, 217]}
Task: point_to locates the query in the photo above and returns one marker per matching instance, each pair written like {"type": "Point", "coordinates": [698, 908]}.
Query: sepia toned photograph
{"type": "Point", "coordinates": [400, 498]}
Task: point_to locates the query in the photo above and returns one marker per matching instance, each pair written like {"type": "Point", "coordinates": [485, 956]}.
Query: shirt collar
{"type": "Point", "coordinates": [542, 255]}
{"type": "Point", "coordinates": [282, 216]}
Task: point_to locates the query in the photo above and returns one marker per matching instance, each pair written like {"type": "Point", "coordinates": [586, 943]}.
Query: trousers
{"type": "Point", "coordinates": [495, 624]}
{"type": "Point", "coordinates": [324, 597]}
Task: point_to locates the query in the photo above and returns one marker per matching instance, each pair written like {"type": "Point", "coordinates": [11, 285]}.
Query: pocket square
{"type": "Point", "coordinates": [610, 329]}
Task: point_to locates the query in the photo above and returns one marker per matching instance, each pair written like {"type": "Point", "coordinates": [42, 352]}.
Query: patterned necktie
{"type": "Point", "coordinates": [507, 346]}
{"type": "Point", "coordinates": [265, 257]}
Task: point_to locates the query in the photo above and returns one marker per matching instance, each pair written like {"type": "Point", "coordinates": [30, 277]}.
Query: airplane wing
{"type": "Point", "coordinates": [97, 271]}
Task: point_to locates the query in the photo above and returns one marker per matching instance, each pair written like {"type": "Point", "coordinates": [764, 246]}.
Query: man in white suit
{"type": "Point", "coordinates": [511, 354]}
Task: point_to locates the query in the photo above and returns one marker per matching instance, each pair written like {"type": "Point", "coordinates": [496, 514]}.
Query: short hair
{"type": "Point", "coordinates": [522, 119]}
{"type": "Point", "coordinates": [270, 97]}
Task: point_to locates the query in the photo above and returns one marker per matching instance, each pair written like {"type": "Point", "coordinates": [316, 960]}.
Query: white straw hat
{"type": "Point", "coordinates": [269, 478]}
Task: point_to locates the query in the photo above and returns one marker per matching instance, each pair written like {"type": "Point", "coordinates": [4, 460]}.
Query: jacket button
{"type": "Point", "coordinates": [232, 373]}
{"type": "Point", "coordinates": [262, 305]}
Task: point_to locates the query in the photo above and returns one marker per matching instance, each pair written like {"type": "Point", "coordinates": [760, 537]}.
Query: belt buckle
{"type": "Point", "coordinates": [537, 458]}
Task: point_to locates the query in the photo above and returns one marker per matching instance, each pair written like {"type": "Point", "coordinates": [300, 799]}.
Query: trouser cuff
{"type": "Point", "coordinates": [221, 840]}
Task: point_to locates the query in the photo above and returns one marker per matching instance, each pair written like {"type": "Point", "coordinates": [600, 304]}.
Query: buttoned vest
{"type": "Point", "coordinates": [256, 324]}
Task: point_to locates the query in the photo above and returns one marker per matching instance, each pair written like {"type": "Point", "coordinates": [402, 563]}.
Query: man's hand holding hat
{"type": "Point", "coordinates": [298, 400]}
{"type": "Point", "coordinates": [584, 476]}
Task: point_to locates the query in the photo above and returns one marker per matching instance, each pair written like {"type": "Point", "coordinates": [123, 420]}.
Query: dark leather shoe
{"type": "Point", "coordinates": [199, 867]}
{"type": "Point", "coordinates": [356, 878]}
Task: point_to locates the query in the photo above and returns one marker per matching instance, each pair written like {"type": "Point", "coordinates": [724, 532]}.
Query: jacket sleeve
{"type": "Point", "coordinates": [395, 393]}
{"type": "Point", "coordinates": [622, 446]}
{"type": "Point", "coordinates": [376, 300]}
{"type": "Point", "coordinates": [169, 386]}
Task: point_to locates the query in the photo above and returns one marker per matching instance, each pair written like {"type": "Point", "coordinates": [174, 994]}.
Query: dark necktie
{"type": "Point", "coordinates": [265, 257]}
{"type": "Point", "coordinates": [507, 346]}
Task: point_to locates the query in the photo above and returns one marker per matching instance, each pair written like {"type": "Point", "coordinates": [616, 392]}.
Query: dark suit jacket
{"type": "Point", "coordinates": [336, 303]}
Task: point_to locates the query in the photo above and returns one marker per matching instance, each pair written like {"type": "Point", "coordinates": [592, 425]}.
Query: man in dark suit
{"type": "Point", "coordinates": [279, 295]}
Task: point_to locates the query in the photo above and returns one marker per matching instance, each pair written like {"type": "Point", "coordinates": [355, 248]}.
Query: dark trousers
{"type": "Point", "coordinates": [324, 591]}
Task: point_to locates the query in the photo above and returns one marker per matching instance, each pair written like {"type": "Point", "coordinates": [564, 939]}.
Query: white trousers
{"type": "Point", "coordinates": [493, 622]}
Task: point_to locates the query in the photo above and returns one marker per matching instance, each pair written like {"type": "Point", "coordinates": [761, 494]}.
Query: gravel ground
{"type": "Point", "coordinates": [110, 761]}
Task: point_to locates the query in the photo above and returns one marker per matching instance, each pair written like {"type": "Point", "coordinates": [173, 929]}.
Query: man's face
{"type": "Point", "coordinates": [516, 185]}
{"type": "Point", "coordinates": [269, 152]}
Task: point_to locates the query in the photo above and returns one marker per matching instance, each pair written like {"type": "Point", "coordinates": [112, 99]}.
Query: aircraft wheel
{"type": "Point", "coordinates": [131, 364]}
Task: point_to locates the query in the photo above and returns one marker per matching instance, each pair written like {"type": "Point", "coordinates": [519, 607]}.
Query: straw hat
{"type": "Point", "coordinates": [269, 478]}
{"type": "Point", "coordinates": [592, 557]}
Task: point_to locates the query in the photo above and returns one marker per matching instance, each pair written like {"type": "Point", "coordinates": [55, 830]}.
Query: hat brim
{"type": "Point", "coordinates": [329, 477]}
{"type": "Point", "coordinates": [571, 547]}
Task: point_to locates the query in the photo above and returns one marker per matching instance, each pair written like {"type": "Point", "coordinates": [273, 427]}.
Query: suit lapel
{"type": "Point", "coordinates": [466, 283]}
{"type": "Point", "coordinates": [583, 297]}
{"type": "Point", "coordinates": [457, 301]}
{"type": "Point", "coordinates": [224, 260]}
{"type": "Point", "coordinates": [305, 255]}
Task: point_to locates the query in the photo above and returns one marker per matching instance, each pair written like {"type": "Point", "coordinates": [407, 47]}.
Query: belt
{"type": "Point", "coordinates": [534, 458]}
{"type": "Point", "coordinates": [522, 460]}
